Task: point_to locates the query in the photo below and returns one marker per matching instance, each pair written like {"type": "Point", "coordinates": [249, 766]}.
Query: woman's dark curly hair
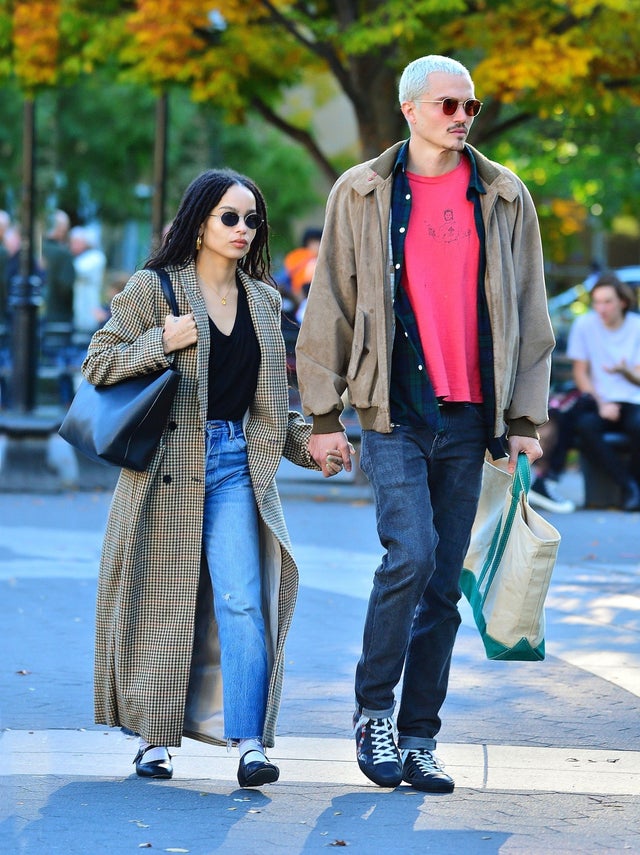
{"type": "Point", "coordinates": [203, 194]}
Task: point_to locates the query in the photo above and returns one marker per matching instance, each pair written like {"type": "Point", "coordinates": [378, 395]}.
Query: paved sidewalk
{"type": "Point", "coordinates": [546, 756]}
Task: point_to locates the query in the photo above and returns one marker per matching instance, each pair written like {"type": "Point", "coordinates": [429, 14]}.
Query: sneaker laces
{"type": "Point", "coordinates": [383, 747]}
{"type": "Point", "coordinates": [424, 760]}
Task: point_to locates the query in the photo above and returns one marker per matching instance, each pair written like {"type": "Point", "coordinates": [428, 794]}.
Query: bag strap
{"type": "Point", "coordinates": [167, 290]}
{"type": "Point", "coordinates": [521, 483]}
{"type": "Point", "coordinates": [522, 476]}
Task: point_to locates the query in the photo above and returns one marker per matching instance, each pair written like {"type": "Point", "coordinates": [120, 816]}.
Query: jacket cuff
{"type": "Point", "coordinates": [327, 423]}
{"type": "Point", "coordinates": [522, 427]}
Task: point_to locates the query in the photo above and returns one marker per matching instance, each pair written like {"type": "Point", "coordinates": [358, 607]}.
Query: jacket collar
{"type": "Point", "coordinates": [486, 175]}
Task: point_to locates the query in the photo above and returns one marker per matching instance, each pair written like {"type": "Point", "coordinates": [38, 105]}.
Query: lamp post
{"type": "Point", "coordinates": [159, 170]}
{"type": "Point", "coordinates": [25, 288]}
{"type": "Point", "coordinates": [25, 433]}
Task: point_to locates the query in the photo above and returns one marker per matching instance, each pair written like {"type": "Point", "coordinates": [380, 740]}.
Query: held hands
{"type": "Point", "coordinates": [179, 332]}
{"type": "Point", "coordinates": [331, 451]}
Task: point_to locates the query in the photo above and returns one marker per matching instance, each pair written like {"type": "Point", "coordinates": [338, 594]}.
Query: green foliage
{"type": "Point", "coordinates": [95, 144]}
{"type": "Point", "coordinates": [559, 79]}
{"type": "Point", "coordinates": [590, 161]}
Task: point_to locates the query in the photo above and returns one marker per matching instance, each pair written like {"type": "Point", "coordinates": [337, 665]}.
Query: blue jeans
{"type": "Point", "coordinates": [426, 487]}
{"type": "Point", "coordinates": [231, 545]}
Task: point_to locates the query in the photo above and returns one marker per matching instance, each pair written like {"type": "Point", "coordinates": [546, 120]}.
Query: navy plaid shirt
{"type": "Point", "coordinates": [413, 400]}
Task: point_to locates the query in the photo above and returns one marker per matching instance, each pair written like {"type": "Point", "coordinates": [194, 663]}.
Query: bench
{"type": "Point", "coordinates": [600, 490]}
{"type": "Point", "coordinates": [60, 355]}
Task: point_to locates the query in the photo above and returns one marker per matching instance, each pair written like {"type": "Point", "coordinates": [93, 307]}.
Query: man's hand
{"type": "Point", "coordinates": [525, 444]}
{"type": "Point", "coordinates": [331, 451]}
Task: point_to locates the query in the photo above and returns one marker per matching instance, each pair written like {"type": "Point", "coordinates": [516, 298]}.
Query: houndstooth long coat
{"type": "Point", "coordinates": [157, 667]}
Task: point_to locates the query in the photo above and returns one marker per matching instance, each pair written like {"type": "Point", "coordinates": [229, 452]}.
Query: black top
{"type": "Point", "coordinates": [234, 361]}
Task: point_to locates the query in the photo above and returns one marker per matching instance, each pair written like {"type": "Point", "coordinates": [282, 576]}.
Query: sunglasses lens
{"type": "Point", "coordinates": [229, 218]}
{"type": "Point", "coordinates": [449, 106]}
{"type": "Point", "coordinates": [471, 106]}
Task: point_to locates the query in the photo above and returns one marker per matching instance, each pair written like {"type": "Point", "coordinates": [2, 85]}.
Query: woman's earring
{"type": "Point", "coordinates": [199, 242]}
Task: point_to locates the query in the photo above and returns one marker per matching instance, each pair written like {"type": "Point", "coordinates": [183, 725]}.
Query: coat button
{"type": "Point", "coordinates": [167, 479]}
{"type": "Point", "coordinates": [172, 425]}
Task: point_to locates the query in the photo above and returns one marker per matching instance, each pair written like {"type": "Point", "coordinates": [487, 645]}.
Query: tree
{"type": "Point", "coordinates": [535, 62]}
{"type": "Point", "coordinates": [592, 49]}
{"type": "Point", "coordinates": [540, 67]}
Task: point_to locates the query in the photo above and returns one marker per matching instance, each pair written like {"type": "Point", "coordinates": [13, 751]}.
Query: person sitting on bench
{"type": "Point", "coordinates": [604, 345]}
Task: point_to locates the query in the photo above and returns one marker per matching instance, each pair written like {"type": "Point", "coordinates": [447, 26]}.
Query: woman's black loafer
{"type": "Point", "coordinates": [256, 772]}
{"type": "Point", "coordinates": [155, 765]}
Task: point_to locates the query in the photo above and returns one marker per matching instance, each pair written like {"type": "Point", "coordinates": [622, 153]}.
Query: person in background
{"type": "Point", "coordinates": [116, 282]}
{"type": "Point", "coordinates": [5, 222]}
{"type": "Point", "coordinates": [58, 280]}
{"type": "Point", "coordinates": [604, 345]}
{"type": "Point", "coordinates": [90, 264]}
{"type": "Point", "coordinates": [556, 439]}
{"type": "Point", "coordinates": [13, 244]}
{"type": "Point", "coordinates": [59, 271]}
{"type": "Point", "coordinates": [197, 581]}
{"type": "Point", "coordinates": [428, 304]}
{"type": "Point", "coordinates": [300, 263]}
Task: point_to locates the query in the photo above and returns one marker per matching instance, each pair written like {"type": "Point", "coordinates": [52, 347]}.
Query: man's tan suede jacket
{"type": "Point", "coordinates": [347, 333]}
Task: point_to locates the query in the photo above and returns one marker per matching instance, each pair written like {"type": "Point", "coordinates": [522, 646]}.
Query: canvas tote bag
{"type": "Point", "coordinates": [508, 566]}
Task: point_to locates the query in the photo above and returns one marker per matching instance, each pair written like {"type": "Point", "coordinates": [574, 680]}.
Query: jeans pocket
{"type": "Point", "coordinates": [239, 440]}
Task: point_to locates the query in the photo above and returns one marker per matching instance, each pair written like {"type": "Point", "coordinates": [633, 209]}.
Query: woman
{"type": "Point", "coordinates": [169, 662]}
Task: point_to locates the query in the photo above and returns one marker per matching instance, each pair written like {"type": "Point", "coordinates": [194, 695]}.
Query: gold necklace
{"type": "Point", "coordinates": [222, 299]}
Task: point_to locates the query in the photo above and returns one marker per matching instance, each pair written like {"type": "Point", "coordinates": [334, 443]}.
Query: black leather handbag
{"type": "Point", "coordinates": [121, 424]}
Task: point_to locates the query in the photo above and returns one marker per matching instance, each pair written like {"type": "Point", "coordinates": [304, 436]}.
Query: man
{"type": "Point", "coordinates": [428, 303]}
{"type": "Point", "coordinates": [5, 222]}
{"type": "Point", "coordinates": [90, 265]}
{"type": "Point", "coordinates": [59, 270]}
{"type": "Point", "coordinates": [59, 279]}
{"type": "Point", "coordinates": [604, 345]}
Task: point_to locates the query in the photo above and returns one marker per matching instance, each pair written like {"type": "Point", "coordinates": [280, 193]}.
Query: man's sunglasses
{"type": "Point", "coordinates": [230, 219]}
{"type": "Point", "coordinates": [450, 105]}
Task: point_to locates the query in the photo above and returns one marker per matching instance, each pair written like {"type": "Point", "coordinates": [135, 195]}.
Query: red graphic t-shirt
{"type": "Point", "coordinates": [441, 256]}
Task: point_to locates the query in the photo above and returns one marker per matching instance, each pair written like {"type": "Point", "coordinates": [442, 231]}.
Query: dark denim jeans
{"type": "Point", "coordinates": [426, 489]}
{"type": "Point", "coordinates": [590, 428]}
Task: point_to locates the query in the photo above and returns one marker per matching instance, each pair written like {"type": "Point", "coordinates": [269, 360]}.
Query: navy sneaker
{"type": "Point", "coordinates": [544, 494]}
{"type": "Point", "coordinates": [423, 771]}
{"type": "Point", "coordinates": [376, 750]}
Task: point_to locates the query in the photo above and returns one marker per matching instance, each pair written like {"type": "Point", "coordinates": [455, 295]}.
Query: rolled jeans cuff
{"type": "Point", "coordinates": [375, 713]}
{"type": "Point", "coordinates": [412, 743]}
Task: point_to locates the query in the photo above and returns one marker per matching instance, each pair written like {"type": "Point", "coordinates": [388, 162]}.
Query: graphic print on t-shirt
{"type": "Point", "coordinates": [448, 231]}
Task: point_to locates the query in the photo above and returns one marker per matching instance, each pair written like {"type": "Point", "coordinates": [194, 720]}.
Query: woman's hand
{"type": "Point", "coordinates": [179, 332]}
{"type": "Point", "coordinates": [332, 452]}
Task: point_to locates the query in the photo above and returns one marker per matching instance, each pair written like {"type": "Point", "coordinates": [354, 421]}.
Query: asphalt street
{"type": "Point", "coordinates": [546, 756]}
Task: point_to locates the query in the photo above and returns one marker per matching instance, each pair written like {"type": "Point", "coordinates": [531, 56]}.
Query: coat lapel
{"type": "Point", "coordinates": [189, 282]}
